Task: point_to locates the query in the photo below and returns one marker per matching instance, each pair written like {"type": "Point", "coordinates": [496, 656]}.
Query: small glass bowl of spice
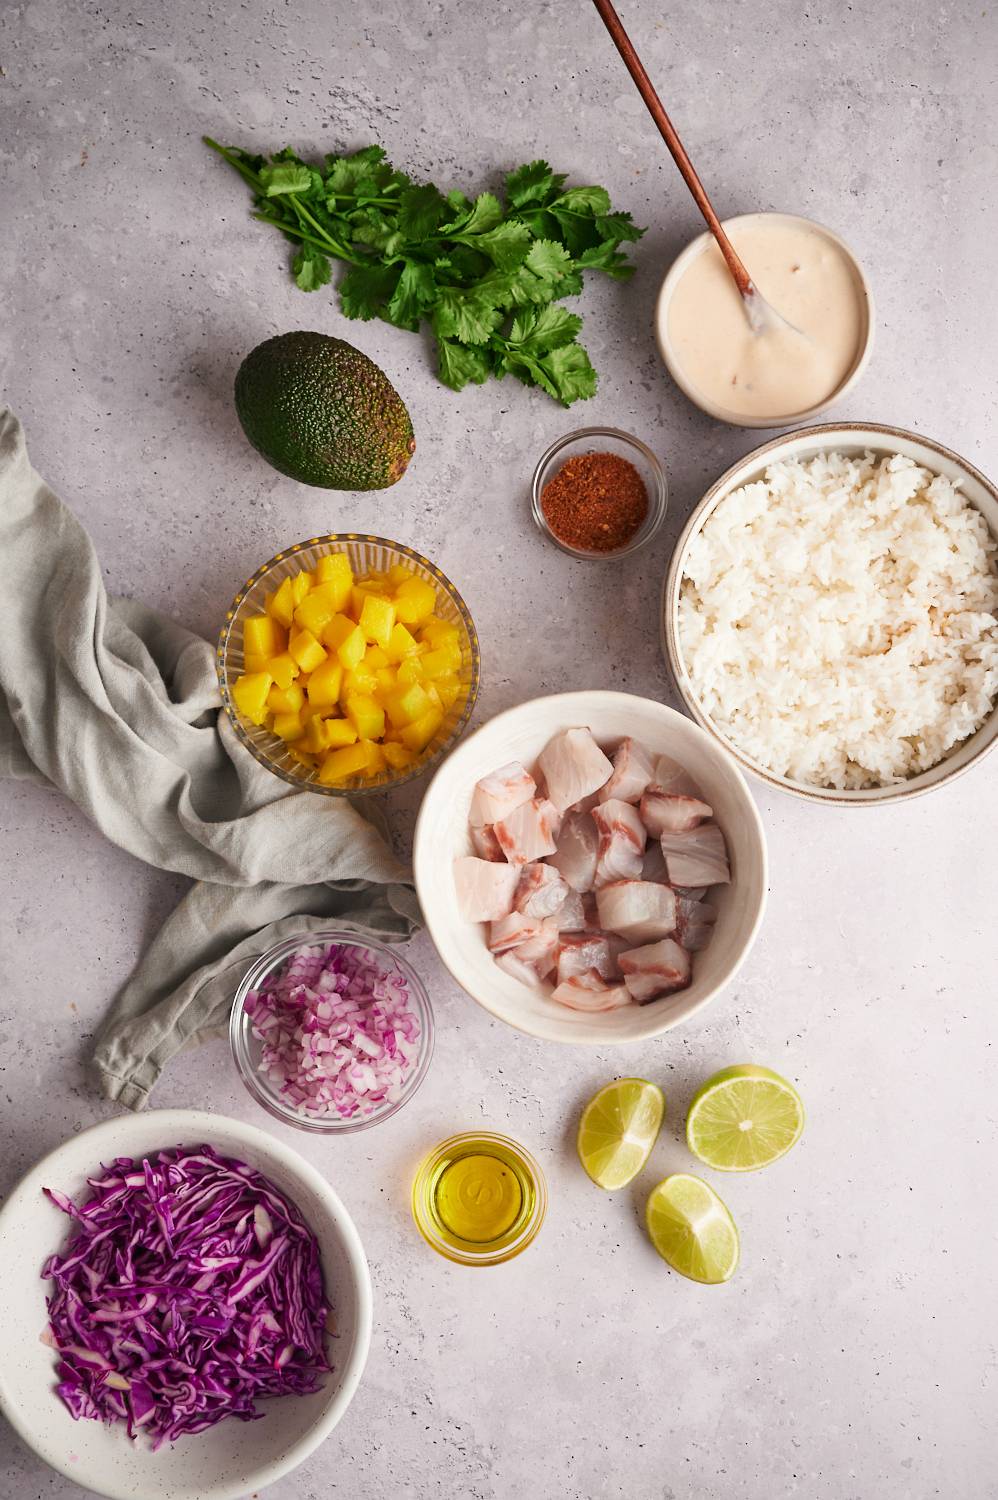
{"type": "Point", "coordinates": [599, 493]}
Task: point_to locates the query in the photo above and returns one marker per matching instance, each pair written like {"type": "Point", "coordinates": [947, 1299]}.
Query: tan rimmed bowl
{"type": "Point", "coordinates": [851, 438]}
{"type": "Point", "coordinates": [366, 554]}
{"type": "Point", "coordinates": [864, 348]}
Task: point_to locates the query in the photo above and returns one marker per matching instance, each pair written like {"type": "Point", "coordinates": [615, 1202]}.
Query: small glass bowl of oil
{"type": "Point", "coordinates": [479, 1199]}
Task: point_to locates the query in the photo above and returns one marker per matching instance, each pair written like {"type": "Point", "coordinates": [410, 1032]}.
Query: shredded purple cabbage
{"type": "Point", "coordinates": [191, 1288]}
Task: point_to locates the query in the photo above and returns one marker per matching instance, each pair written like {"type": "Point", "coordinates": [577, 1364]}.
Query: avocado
{"type": "Point", "coordinates": [321, 411]}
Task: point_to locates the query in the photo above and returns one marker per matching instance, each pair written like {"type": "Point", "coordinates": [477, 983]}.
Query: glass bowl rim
{"type": "Point", "coordinates": [302, 783]}
{"type": "Point", "coordinates": [530, 1230]}
{"type": "Point", "coordinates": [658, 501]}
{"type": "Point", "coordinates": [238, 1030]}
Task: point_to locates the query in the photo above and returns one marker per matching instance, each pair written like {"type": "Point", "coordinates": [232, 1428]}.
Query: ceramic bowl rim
{"type": "Point", "coordinates": [743, 469]}
{"type": "Point", "coordinates": [713, 409]}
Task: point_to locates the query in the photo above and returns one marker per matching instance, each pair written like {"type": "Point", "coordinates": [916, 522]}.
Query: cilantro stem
{"type": "Point", "coordinates": [234, 161]}
{"type": "Point", "coordinates": [325, 243]}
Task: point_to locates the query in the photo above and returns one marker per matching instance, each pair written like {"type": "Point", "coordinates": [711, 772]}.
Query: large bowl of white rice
{"type": "Point", "coordinates": [831, 613]}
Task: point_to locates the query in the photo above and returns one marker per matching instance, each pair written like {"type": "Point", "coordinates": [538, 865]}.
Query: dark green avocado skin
{"type": "Point", "coordinates": [322, 412]}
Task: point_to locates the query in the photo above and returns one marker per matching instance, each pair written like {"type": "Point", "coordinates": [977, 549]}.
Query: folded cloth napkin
{"type": "Point", "coordinates": [118, 707]}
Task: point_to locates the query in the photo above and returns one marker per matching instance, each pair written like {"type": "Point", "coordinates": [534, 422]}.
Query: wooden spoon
{"type": "Point", "coordinates": [760, 314]}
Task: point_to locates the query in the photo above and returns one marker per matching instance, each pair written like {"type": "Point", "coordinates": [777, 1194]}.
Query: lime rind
{"type": "Point", "coordinates": [692, 1229]}
{"type": "Point", "coordinates": [618, 1128]}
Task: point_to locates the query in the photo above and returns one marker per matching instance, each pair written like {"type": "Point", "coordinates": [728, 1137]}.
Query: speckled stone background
{"type": "Point", "coordinates": [855, 1353]}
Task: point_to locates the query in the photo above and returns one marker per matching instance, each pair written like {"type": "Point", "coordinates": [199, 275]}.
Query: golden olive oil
{"type": "Point", "coordinates": [479, 1198]}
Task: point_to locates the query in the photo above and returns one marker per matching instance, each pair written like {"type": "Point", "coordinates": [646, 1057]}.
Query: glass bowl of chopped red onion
{"type": "Point", "coordinates": [331, 1033]}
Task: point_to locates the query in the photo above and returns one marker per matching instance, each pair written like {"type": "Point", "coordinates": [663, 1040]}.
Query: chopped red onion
{"type": "Point", "coordinates": [338, 1031]}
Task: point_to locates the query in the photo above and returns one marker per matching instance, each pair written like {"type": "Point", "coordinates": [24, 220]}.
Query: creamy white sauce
{"type": "Point", "coordinates": [779, 372]}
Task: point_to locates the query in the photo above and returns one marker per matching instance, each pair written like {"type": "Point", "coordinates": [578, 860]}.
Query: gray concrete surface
{"type": "Point", "coordinates": [855, 1353]}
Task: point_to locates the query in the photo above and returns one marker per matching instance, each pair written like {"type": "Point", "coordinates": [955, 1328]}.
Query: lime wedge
{"type": "Point", "coordinates": [618, 1129]}
{"type": "Point", "coordinates": [743, 1118]}
{"type": "Point", "coordinates": [692, 1230]}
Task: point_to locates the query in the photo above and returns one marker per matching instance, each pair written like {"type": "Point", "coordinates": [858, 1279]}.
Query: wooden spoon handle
{"type": "Point", "coordinates": [657, 111]}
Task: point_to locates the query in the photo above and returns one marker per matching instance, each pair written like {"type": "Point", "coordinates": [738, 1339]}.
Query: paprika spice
{"type": "Point", "coordinates": [596, 502]}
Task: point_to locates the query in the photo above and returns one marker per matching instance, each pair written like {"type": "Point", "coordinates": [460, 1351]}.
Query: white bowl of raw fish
{"type": "Point", "coordinates": [541, 830]}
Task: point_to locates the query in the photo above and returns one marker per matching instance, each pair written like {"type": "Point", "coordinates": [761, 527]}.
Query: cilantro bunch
{"type": "Point", "coordinates": [486, 275]}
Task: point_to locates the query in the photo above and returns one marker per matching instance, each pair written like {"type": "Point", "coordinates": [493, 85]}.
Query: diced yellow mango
{"type": "Point", "coordinates": [340, 764]}
{"type": "Point", "coordinates": [282, 604]}
{"type": "Point", "coordinates": [300, 585]}
{"type": "Point", "coordinates": [399, 573]}
{"type": "Point", "coordinates": [396, 755]}
{"type": "Point", "coordinates": [306, 651]}
{"type": "Point", "coordinates": [255, 662]}
{"type": "Point", "coordinates": [386, 679]}
{"type": "Point", "coordinates": [284, 669]}
{"type": "Point", "coordinates": [315, 611]}
{"type": "Point", "coordinates": [336, 632]}
{"type": "Point", "coordinates": [417, 735]}
{"type": "Point", "coordinates": [376, 762]}
{"type": "Point", "coordinates": [440, 633]}
{"type": "Point", "coordinates": [289, 726]}
{"type": "Point", "coordinates": [287, 700]}
{"type": "Point", "coordinates": [449, 690]}
{"type": "Point", "coordinates": [339, 732]}
{"type": "Point", "coordinates": [351, 650]}
{"type": "Point", "coordinates": [434, 696]}
{"type": "Point", "coordinates": [406, 704]}
{"type": "Point", "coordinates": [377, 620]}
{"type": "Point", "coordinates": [263, 636]}
{"type": "Point", "coordinates": [444, 661]}
{"type": "Point", "coordinates": [249, 694]}
{"type": "Point", "coordinates": [414, 600]}
{"type": "Point", "coordinates": [335, 574]}
{"type": "Point", "coordinates": [358, 681]}
{"type": "Point", "coordinates": [401, 643]}
{"type": "Point", "coordinates": [325, 682]}
{"type": "Point", "coordinates": [301, 755]}
{"type": "Point", "coordinates": [316, 739]}
{"type": "Point", "coordinates": [374, 658]}
{"type": "Point", "coordinates": [366, 716]}
{"type": "Point", "coordinates": [410, 670]}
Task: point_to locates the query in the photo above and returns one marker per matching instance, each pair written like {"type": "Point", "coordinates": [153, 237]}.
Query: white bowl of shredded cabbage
{"type": "Point", "coordinates": [831, 614]}
{"type": "Point", "coordinates": [232, 1458]}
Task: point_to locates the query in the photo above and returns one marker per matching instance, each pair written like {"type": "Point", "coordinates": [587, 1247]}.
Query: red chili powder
{"type": "Point", "coordinates": [596, 501]}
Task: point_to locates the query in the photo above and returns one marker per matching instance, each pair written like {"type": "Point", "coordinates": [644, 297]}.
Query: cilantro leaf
{"type": "Point", "coordinates": [285, 177]}
{"type": "Point", "coordinates": [533, 183]}
{"type": "Point", "coordinates": [571, 372]}
{"type": "Point", "coordinates": [584, 200]}
{"type": "Point", "coordinates": [475, 218]}
{"type": "Point", "coordinates": [416, 291]}
{"type": "Point", "coordinates": [506, 246]}
{"type": "Point", "coordinates": [619, 226]}
{"type": "Point", "coordinates": [365, 290]}
{"type": "Point", "coordinates": [312, 269]}
{"type": "Point", "coordinates": [465, 315]}
{"type": "Point", "coordinates": [548, 260]}
{"type": "Point", "coordinates": [457, 364]}
{"type": "Point", "coordinates": [421, 209]}
{"type": "Point", "coordinates": [538, 332]}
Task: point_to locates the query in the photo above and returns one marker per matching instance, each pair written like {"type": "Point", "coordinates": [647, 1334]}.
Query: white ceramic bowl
{"type": "Point", "coordinates": [854, 437]}
{"type": "Point", "coordinates": [864, 293]}
{"type": "Point", "coordinates": [234, 1458]}
{"type": "Point", "coordinates": [521, 734]}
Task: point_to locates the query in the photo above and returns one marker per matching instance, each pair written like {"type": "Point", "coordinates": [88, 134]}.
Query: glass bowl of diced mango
{"type": "Point", "coordinates": [348, 664]}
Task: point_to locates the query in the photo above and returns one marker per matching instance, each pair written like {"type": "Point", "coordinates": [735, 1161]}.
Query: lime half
{"type": "Point", "coordinates": [692, 1230]}
{"type": "Point", "coordinates": [618, 1129]}
{"type": "Point", "coordinates": [744, 1118]}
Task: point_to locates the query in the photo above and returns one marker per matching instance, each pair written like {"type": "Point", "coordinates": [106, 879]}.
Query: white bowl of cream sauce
{"type": "Point", "coordinates": [782, 374]}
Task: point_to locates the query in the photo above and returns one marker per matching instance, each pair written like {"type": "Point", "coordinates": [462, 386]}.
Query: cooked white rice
{"type": "Point", "coordinates": [838, 619]}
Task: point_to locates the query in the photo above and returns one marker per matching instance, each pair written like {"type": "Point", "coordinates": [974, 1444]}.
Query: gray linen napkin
{"type": "Point", "coordinates": [118, 707]}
